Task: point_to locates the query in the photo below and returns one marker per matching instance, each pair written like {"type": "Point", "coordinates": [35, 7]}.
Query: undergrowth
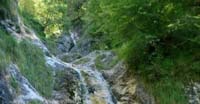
{"type": "Point", "coordinates": [30, 60]}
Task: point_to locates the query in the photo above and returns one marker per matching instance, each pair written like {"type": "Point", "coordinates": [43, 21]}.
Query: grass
{"type": "Point", "coordinates": [7, 45]}
{"type": "Point", "coordinates": [30, 60]}
{"type": "Point", "coordinates": [14, 84]}
{"type": "Point", "coordinates": [167, 91]}
{"type": "Point", "coordinates": [32, 64]}
{"type": "Point", "coordinates": [167, 77]}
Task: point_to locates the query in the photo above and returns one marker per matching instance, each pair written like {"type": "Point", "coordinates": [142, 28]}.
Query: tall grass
{"type": "Point", "coordinates": [30, 60]}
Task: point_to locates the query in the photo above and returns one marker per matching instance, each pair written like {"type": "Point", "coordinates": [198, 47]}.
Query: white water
{"type": "Point", "coordinates": [96, 79]}
{"type": "Point", "coordinates": [74, 36]}
{"type": "Point", "coordinates": [28, 92]}
{"type": "Point", "coordinates": [99, 83]}
{"type": "Point", "coordinates": [101, 87]}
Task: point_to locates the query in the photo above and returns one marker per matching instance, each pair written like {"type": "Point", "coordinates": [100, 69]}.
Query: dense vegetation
{"type": "Point", "coordinates": [159, 39]}
{"type": "Point", "coordinates": [148, 32]}
{"type": "Point", "coordinates": [50, 14]}
{"type": "Point", "coordinates": [7, 9]}
{"type": "Point", "coordinates": [30, 60]}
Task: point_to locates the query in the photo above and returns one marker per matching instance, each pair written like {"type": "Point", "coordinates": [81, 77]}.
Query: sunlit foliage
{"type": "Point", "coordinates": [51, 14]}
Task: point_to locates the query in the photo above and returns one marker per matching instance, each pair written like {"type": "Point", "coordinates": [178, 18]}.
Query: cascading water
{"type": "Point", "coordinates": [28, 92]}
{"type": "Point", "coordinates": [73, 36]}
{"type": "Point", "coordinates": [94, 87]}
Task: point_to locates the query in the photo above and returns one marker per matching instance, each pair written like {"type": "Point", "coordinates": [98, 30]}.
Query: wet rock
{"type": "Point", "coordinates": [125, 87]}
{"type": "Point", "coordinates": [105, 61]}
{"type": "Point", "coordinates": [64, 44]}
{"type": "Point", "coordinates": [193, 93]}
{"type": "Point", "coordinates": [26, 91]}
{"type": "Point", "coordinates": [67, 87]}
{"type": "Point", "coordinates": [69, 57]}
{"type": "Point", "coordinates": [91, 89]}
{"type": "Point", "coordinates": [84, 46]}
{"type": "Point", "coordinates": [5, 94]}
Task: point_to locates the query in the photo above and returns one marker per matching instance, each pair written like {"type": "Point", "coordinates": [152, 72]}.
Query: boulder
{"type": "Point", "coordinates": [67, 88]}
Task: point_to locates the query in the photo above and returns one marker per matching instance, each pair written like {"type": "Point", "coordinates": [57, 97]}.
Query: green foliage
{"type": "Point", "coordinates": [5, 49]}
{"type": "Point", "coordinates": [157, 39]}
{"type": "Point", "coordinates": [30, 60]}
{"type": "Point", "coordinates": [39, 29]}
{"type": "Point", "coordinates": [50, 14]}
{"type": "Point", "coordinates": [14, 84]}
{"type": "Point", "coordinates": [168, 91]}
{"type": "Point", "coordinates": [32, 64]}
{"type": "Point", "coordinates": [7, 9]}
{"type": "Point", "coordinates": [147, 31]}
{"type": "Point", "coordinates": [75, 12]}
{"type": "Point", "coordinates": [47, 17]}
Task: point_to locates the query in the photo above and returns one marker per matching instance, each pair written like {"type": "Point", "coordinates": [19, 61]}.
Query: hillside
{"type": "Point", "coordinates": [99, 52]}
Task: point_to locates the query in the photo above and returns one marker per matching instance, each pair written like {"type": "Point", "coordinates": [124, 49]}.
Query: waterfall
{"type": "Point", "coordinates": [101, 89]}
{"type": "Point", "coordinates": [28, 92]}
{"type": "Point", "coordinates": [74, 36]}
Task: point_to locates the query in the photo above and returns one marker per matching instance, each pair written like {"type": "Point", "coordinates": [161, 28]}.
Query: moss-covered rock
{"type": "Point", "coordinates": [67, 86]}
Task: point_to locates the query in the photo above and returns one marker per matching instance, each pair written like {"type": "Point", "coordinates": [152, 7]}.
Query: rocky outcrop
{"type": "Point", "coordinates": [24, 92]}
{"type": "Point", "coordinates": [5, 92]}
{"type": "Point", "coordinates": [67, 89]}
{"type": "Point", "coordinates": [69, 57]}
{"type": "Point", "coordinates": [193, 93]}
{"type": "Point", "coordinates": [84, 46]}
{"type": "Point", "coordinates": [64, 44]}
{"type": "Point", "coordinates": [125, 87]}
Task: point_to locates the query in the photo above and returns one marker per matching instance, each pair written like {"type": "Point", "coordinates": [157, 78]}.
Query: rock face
{"type": "Point", "coordinates": [84, 46]}
{"type": "Point", "coordinates": [67, 87]}
{"type": "Point", "coordinates": [69, 57]}
{"type": "Point", "coordinates": [24, 91]}
{"type": "Point", "coordinates": [126, 88]}
{"type": "Point", "coordinates": [79, 82]}
{"type": "Point", "coordinates": [5, 93]}
{"type": "Point", "coordinates": [64, 44]}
